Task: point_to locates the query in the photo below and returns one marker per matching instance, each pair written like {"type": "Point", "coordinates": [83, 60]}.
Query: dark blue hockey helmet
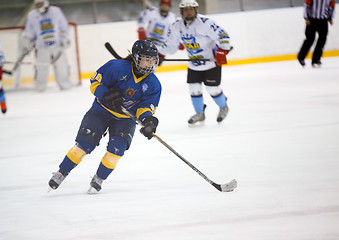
{"type": "Point", "coordinates": [145, 56]}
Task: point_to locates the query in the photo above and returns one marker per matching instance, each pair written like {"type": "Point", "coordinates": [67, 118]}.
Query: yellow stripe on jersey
{"type": "Point", "coordinates": [119, 115]}
{"type": "Point", "coordinates": [76, 154]}
{"type": "Point", "coordinates": [140, 111]}
{"type": "Point", "coordinates": [136, 80]}
{"type": "Point", "coordinates": [94, 86]}
{"type": "Point", "coordinates": [110, 160]}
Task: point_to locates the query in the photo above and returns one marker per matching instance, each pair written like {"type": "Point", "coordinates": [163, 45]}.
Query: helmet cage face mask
{"type": "Point", "coordinates": [149, 68]}
{"type": "Point", "coordinates": [41, 5]}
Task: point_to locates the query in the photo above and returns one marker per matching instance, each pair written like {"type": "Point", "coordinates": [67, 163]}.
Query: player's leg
{"type": "Point", "coordinates": [61, 68]}
{"type": "Point", "coordinates": [90, 132]}
{"type": "Point", "coordinates": [194, 80]}
{"type": "Point", "coordinates": [212, 83]}
{"type": "Point", "coordinates": [42, 68]}
{"type": "Point", "coordinates": [322, 30]}
{"type": "Point", "coordinates": [310, 35]}
{"type": "Point", "coordinates": [121, 133]}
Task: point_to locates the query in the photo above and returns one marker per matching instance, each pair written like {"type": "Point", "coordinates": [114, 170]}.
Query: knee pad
{"type": "Point", "coordinates": [195, 89]}
{"type": "Point", "coordinates": [110, 160]}
{"type": "Point", "coordinates": [214, 91]}
{"type": "Point", "coordinates": [88, 136]}
{"type": "Point", "coordinates": [76, 154]}
{"type": "Point", "coordinates": [87, 147]}
{"type": "Point", "coordinates": [117, 145]}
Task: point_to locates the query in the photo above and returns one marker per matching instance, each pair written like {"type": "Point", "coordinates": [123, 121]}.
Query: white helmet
{"type": "Point", "coordinates": [41, 5]}
{"type": "Point", "coordinates": [188, 3]}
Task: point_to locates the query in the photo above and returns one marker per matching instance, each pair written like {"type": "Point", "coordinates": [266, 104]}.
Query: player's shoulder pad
{"type": "Point", "coordinates": [54, 8]}
{"type": "Point", "coordinates": [110, 65]}
{"type": "Point", "coordinates": [203, 18]}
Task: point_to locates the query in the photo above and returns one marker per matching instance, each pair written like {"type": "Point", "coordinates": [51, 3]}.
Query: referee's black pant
{"type": "Point", "coordinates": [321, 27]}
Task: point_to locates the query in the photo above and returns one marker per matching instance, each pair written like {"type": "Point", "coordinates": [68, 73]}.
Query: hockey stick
{"type": "Point", "coordinates": [228, 187]}
{"type": "Point", "coordinates": [111, 50]}
{"type": "Point", "coordinates": [6, 72]}
{"type": "Point", "coordinates": [117, 56]}
{"type": "Point", "coordinates": [9, 62]}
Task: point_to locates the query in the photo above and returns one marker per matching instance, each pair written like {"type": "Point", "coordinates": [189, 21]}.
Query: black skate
{"type": "Point", "coordinates": [95, 185]}
{"type": "Point", "coordinates": [222, 114]}
{"type": "Point", "coordinates": [57, 178]}
{"type": "Point", "coordinates": [316, 64]}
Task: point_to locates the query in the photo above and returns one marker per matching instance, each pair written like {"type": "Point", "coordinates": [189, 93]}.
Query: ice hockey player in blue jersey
{"type": "Point", "coordinates": [128, 83]}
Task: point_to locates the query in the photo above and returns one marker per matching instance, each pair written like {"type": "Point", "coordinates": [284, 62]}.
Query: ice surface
{"type": "Point", "coordinates": [280, 141]}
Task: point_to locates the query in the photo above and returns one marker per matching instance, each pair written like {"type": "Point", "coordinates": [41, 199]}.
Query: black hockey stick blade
{"type": "Point", "coordinates": [6, 72]}
{"type": "Point", "coordinates": [109, 47]}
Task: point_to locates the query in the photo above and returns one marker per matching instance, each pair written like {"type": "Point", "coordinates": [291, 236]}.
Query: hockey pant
{"type": "Point", "coordinates": [197, 96]}
{"type": "Point", "coordinates": [44, 57]}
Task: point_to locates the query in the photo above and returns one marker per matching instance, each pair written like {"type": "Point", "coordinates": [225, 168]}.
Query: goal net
{"type": "Point", "coordinates": [24, 75]}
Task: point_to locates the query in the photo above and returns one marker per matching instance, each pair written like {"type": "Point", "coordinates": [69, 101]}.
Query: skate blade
{"type": "Point", "coordinates": [92, 191]}
{"type": "Point", "coordinates": [197, 124]}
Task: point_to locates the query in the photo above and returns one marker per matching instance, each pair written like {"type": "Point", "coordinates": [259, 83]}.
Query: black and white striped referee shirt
{"type": "Point", "coordinates": [319, 9]}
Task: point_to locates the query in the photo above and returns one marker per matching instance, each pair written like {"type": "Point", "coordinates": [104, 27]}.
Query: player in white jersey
{"type": "Point", "coordinates": [202, 38]}
{"type": "Point", "coordinates": [153, 24]}
{"type": "Point", "coordinates": [47, 29]}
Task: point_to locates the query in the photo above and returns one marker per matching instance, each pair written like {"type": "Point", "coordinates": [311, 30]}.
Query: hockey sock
{"type": "Point", "coordinates": [220, 100]}
{"type": "Point", "coordinates": [198, 103]}
{"type": "Point", "coordinates": [72, 159]}
{"type": "Point", "coordinates": [107, 165]}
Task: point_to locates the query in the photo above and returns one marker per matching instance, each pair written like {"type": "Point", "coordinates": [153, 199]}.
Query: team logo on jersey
{"type": "Point", "coordinates": [46, 26]}
{"type": "Point", "coordinates": [123, 78]}
{"type": "Point", "coordinates": [144, 87]}
{"type": "Point", "coordinates": [130, 92]}
{"type": "Point", "coordinates": [191, 45]}
{"type": "Point", "coordinates": [159, 29]}
{"type": "Point", "coordinates": [158, 32]}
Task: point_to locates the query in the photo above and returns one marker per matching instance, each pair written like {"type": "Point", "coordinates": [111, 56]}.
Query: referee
{"type": "Point", "coordinates": [317, 14]}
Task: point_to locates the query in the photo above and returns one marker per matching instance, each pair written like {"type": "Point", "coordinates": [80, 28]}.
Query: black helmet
{"type": "Point", "coordinates": [145, 49]}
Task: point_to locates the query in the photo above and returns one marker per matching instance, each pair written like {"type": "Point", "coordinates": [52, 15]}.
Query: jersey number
{"type": "Point", "coordinates": [96, 76]}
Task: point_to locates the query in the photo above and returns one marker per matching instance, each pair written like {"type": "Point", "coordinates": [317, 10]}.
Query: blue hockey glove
{"type": "Point", "coordinates": [150, 124]}
{"type": "Point", "coordinates": [113, 100]}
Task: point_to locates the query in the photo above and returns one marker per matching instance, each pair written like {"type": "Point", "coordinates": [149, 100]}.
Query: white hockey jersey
{"type": "Point", "coordinates": [157, 25]}
{"type": "Point", "coordinates": [46, 28]}
{"type": "Point", "coordinates": [199, 38]}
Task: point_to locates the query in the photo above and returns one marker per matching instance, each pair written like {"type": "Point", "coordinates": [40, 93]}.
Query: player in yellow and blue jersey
{"type": "Point", "coordinates": [128, 83]}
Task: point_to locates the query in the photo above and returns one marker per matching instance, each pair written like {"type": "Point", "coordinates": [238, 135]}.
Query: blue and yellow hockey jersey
{"type": "Point", "coordinates": [141, 95]}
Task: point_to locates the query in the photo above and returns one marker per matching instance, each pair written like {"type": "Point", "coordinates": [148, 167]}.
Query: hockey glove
{"type": "Point", "coordinates": [113, 100]}
{"type": "Point", "coordinates": [220, 56]}
{"type": "Point", "coordinates": [150, 124]}
{"type": "Point", "coordinates": [181, 46]}
{"type": "Point", "coordinates": [142, 33]}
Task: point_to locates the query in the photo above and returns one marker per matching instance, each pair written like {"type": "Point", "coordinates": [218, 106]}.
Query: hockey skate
{"type": "Point", "coordinates": [198, 117]}
{"type": "Point", "coordinates": [316, 64]}
{"type": "Point", "coordinates": [57, 178]}
{"type": "Point", "coordinates": [95, 185]}
{"type": "Point", "coordinates": [222, 114]}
